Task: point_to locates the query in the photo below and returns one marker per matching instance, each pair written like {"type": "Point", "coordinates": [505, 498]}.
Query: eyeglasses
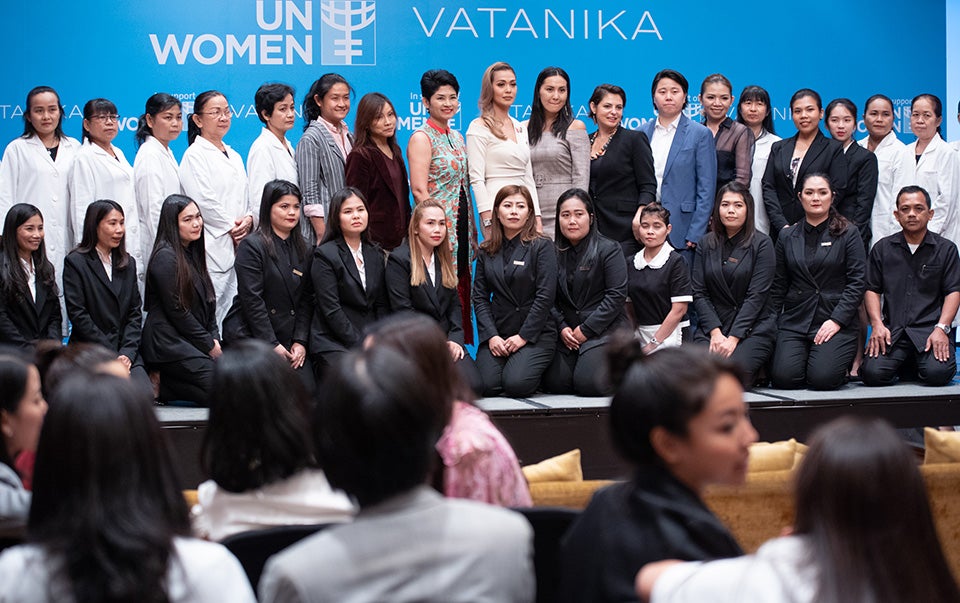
{"type": "Point", "coordinates": [218, 113]}
{"type": "Point", "coordinates": [106, 118]}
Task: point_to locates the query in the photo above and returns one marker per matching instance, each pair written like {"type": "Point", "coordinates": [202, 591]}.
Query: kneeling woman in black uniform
{"type": "Point", "coordinates": [100, 287]}
{"type": "Point", "coordinates": [272, 304]}
{"type": "Point", "coordinates": [818, 288]}
{"type": "Point", "coordinates": [513, 293]}
{"type": "Point", "coordinates": [180, 336]}
{"type": "Point", "coordinates": [421, 277]}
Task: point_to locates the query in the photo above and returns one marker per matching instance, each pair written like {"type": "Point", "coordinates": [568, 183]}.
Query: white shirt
{"type": "Point", "coordinates": [358, 259]}
{"type": "Point", "coordinates": [31, 275]}
{"type": "Point", "coordinates": [893, 168]}
{"type": "Point", "coordinates": [761, 153]}
{"type": "Point", "coordinates": [197, 572]}
{"type": "Point", "coordinates": [96, 174]}
{"type": "Point", "coordinates": [269, 159]}
{"type": "Point", "coordinates": [660, 145]}
{"type": "Point", "coordinates": [156, 176]}
{"type": "Point", "coordinates": [938, 171]}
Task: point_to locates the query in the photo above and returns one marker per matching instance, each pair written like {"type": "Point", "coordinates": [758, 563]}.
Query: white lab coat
{"type": "Point", "coordinates": [218, 184]}
{"type": "Point", "coordinates": [938, 171]}
{"type": "Point", "coordinates": [156, 175]}
{"type": "Point", "coordinates": [893, 169]}
{"type": "Point", "coordinates": [268, 159]}
{"type": "Point", "coordinates": [761, 153]}
{"type": "Point", "coordinates": [29, 175]}
{"type": "Point", "coordinates": [97, 175]}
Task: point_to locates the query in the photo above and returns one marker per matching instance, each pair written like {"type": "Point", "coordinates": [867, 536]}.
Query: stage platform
{"type": "Point", "coordinates": [542, 426]}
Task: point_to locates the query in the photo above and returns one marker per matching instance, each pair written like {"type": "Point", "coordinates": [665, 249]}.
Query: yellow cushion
{"type": "Point", "coordinates": [562, 468]}
{"type": "Point", "coordinates": [941, 446]}
{"type": "Point", "coordinates": [573, 495]}
{"type": "Point", "coordinates": [775, 456]}
{"type": "Point", "coordinates": [191, 497]}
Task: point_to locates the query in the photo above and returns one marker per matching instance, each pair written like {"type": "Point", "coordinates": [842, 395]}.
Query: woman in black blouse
{"type": "Point", "coordinates": [591, 290]}
{"type": "Point", "coordinates": [817, 290]}
{"type": "Point", "coordinates": [732, 274]}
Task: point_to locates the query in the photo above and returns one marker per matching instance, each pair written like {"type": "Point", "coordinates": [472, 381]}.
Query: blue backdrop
{"type": "Point", "coordinates": [127, 51]}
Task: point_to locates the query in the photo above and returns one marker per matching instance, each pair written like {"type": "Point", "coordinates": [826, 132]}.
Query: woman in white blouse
{"type": "Point", "coordinates": [213, 176]}
{"type": "Point", "coordinates": [754, 111]}
{"type": "Point", "coordinates": [156, 174]}
{"type": "Point", "coordinates": [497, 149]}
{"type": "Point", "coordinates": [271, 154]}
{"type": "Point", "coordinates": [882, 141]}
{"type": "Point", "coordinates": [101, 171]}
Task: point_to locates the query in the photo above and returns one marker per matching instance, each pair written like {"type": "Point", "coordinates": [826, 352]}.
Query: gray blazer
{"type": "Point", "coordinates": [320, 167]}
{"type": "Point", "coordinates": [14, 503]}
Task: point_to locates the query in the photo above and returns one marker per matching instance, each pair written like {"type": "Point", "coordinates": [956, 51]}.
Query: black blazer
{"type": "Point", "coordinates": [595, 300]}
{"type": "Point", "coordinates": [24, 321]}
{"type": "Point", "coordinates": [438, 302]}
{"type": "Point", "coordinates": [742, 306]}
{"type": "Point", "coordinates": [825, 155]}
{"type": "Point", "coordinates": [621, 180]}
{"type": "Point", "coordinates": [343, 308]}
{"type": "Point", "coordinates": [524, 306]}
{"type": "Point", "coordinates": [829, 285]}
{"type": "Point", "coordinates": [271, 302]}
{"type": "Point", "coordinates": [172, 332]}
{"type": "Point", "coordinates": [862, 175]}
{"type": "Point", "coordinates": [103, 311]}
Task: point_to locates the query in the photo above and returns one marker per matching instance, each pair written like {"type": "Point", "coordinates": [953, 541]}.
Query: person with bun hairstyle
{"type": "Point", "coordinates": [156, 173]}
{"type": "Point", "coordinates": [271, 155]}
{"type": "Point", "coordinates": [734, 141]}
{"type": "Point", "coordinates": [892, 164]}
{"type": "Point", "coordinates": [679, 419]}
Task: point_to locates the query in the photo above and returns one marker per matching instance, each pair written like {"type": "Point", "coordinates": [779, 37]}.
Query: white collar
{"type": "Point", "coordinates": [639, 262]}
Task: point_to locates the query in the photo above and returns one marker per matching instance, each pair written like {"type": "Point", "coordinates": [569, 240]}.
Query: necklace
{"type": "Point", "coordinates": [603, 149]}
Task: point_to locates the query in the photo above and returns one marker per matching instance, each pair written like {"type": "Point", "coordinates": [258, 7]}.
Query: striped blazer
{"type": "Point", "coordinates": [320, 166]}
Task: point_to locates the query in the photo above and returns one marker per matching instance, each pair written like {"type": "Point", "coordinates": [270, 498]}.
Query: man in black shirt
{"type": "Point", "coordinates": [918, 274]}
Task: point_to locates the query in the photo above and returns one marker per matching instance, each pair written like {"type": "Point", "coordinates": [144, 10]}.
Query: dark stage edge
{"type": "Point", "coordinates": [543, 426]}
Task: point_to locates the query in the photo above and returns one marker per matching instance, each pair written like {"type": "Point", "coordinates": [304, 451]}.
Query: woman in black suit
{"type": "Point", "coordinates": [421, 277]}
{"type": "Point", "coordinates": [29, 303]}
{"type": "Point", "coordinates": [816, 292]}
{"type": "Point", "coordinates": [272, 303]}
{"type": "Point", "coordinates": [622, 176]}
{"type": "Point", "coordinates": [348, 280]}
{"type": "Point", "coordinates": [100, 287]}
{"type": "Point", "coordinates": [792, 159]}
{"type": "Point", "coordinates": [591, 290]}
{"type": "Point", "coordinates": [180, 338]}
{"type": "Point", "coordinates": [732, 274]}
{"type": "Point", "coordinates": [513, 292]}
{"type": "Point", "coordinates": [863, 171]}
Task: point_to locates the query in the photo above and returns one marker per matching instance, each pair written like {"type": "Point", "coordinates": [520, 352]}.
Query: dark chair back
{"type": "Point", "coordinates": [253, 548]}
{"type": "Point", "coordinates": [549, 526]}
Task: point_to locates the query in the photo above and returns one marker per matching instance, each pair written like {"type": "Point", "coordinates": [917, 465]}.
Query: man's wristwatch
{"type": "Point", "coordinates": [944, 327]}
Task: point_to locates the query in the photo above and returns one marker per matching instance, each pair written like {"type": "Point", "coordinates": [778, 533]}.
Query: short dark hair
{"type": "Point", "coordinates": [670, 74]}
{"type": "Point", "coordinates": [655, 209]}
{"type": "Point", "coordinates": [95, 106]}
{"type": "Point", "coordinates": [267, 96]}
{"type": "Point", "coordinates": [666, 389]}
{"type": "Point", "coordinates": [96, 212]}
{"type": "Point", "coordinates": [376, 425]}
{"type": "Point", "coordinates": [603, 90]}
{"type": "Point", "coordinates": [434, 79]}
{"type": "Point", "coordinates": [756, 93]}
{"type": "Point", "coordinates": [911, 189]}
{"type": "Point", "coordinates": [257, 432]}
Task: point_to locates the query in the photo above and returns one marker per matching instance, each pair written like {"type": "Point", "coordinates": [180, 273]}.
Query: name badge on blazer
{"type": "Point", "coordinates": [826, 244]}
{"type": "Point", "coordinates": [733, 260]}
{"type": "Point", "coordinates": [297, 272]}
{"type": "Point", "coordinates": [518, 263]}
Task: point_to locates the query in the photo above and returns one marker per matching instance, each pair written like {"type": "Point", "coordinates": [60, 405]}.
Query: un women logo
{"type": "Point", "coordinates": [348, 32]}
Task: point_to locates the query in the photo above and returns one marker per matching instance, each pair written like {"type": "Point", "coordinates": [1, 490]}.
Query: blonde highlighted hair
{"type": "Point", "coordinates": [486, 99]}
{"type": "Point", "coordinates": [418, 271]}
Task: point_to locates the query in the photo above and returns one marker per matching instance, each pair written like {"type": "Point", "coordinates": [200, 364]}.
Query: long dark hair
{"type": "Point", "coordinates": [756, 93]}
{"type": "Point", "coordinates": [368, 109]}
{"type": "Point", "coordinates": [718, 232]}
{"type": "Point", "coordinates": [273, 191]}
{"type": "Point", "coordinates": [95, 106]}
{"type": "Point", "coordinates": [258, 431]}
{"type": "Point", "coordinates": [590, 242]}
{"type": "Point", "coordinates": [333, 229]}
{"type": "Point", "coordinates": [862, 507]}
{"type": "Point", "coordinates": [156, 104]}
{"type": "Point", "coordinates": [12, 279]}
{"type": "Point", "coordinates": [96, 212]}
{"type": "Point", "coordinates": [193, 130]}
{"type": "Point", "coordinates": [529, 230]}
{"type": "Point", "coordinates": [838, 223]}
{"type": "Point", "coordinates": [14, 372]}
{"type": "Point", "coordinates": [106, 498]}
{"type": "Point", "coordinates": [320, 88]}
{"type": "Point", "coordinates": [28, 129]}
{"type": "Point", "coordinates": [537, 117]}
{"type": "Point", "coordinates": [191, 258]}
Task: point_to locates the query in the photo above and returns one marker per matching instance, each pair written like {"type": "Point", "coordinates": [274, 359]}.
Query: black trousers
{"type": "Point", "coordinates": [903, 360]}
{"type": "Point", "coordinates": [752, 353]}
{"type": "Point", "coordinates": [517, 375]}
{"type": "Point", "coordinates": [581, 373]}
{"type": "Point", "coordinates": [188, 380]}
{"type": "Point", "coordinates": [798, 363]}
{"type": "Point", "coordinates": [469, 373]}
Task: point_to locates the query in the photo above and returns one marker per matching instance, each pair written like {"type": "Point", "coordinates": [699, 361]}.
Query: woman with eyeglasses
{"type": "Point", "coordinates": [213, 176]}
{"type": "Point", "coordinates": [100, 171]}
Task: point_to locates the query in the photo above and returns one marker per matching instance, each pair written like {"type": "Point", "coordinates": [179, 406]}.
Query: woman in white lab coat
{"type": "Point", "coordinates": [212, 174]}
{"type": "Point", "coordinates": [100, 171]}
{"type": "Point", "coordinates": [35, 167]}
{"type": "Point", "coordinates": [882, 141]}
{"type": "Point", "coordinates": [936, 166]}
{"type": "Point", "coordinates": [271, 154]}
{"type": "Point", "coordinates": [156, 174]}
